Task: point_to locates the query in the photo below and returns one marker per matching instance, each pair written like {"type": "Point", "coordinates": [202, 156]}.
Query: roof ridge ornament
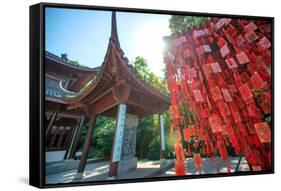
{"type": "Point", "coordinates": [114, 33]}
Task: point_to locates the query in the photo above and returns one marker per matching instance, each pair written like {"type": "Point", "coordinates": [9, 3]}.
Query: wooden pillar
{"type": "Point", "coordinates": [87, 143]}
{"type": "Point", "coordinates": [50, 123]}
{"type": "Point", "coordinates": [162, 135]}
{"type": "Point", "coordinates": [74, 140]}
{"type": "Point", "coordinates": [118, 140]}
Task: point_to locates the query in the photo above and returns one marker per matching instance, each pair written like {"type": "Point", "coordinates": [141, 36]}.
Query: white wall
{"type": "Point", "coordinates": [14, 39]}
{"type": "Point", "coordinates": [53, 156]}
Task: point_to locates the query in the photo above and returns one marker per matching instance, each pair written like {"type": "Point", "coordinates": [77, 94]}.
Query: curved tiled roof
{"type": "Point", "coordinates": [90, 85]}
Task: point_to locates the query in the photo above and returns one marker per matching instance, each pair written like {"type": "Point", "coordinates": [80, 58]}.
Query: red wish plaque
{"type": "Point", "coordinates": [216, 93]}
{"type": "Point", "coordinates": [198, 96]}
{"type": "Point", "coordinates": [188, 132]}
{"type": "Point", "coordinates": [215, 125]}
{"type": "Point", "coordinates": [221, 42]}
{"type": "Point", "coordinates": [245, 92]}
{"type": "Point", "coordinates": [186, 53]}
{"type": "Point", "coordinates": [266, 103]}
{"type": "Point", "coordinates": [179, 152]}
{"type": "Point", "coordinates": [251, 27]}
{"type": "Point", "coordinates": [199, 133]}
{"type": "Point", "coordinates": [197, 160]}
{"type": "Point", "coordinates": [236, 116]}
{"type": "Point", "coordinates": [224, 50]}
{"type": "Point", "coordinates": [207, 48]}
{"type": "Point", "coordinates": [232, 88]}
{"type": "Point", "coordinates": [200, 50]}
{"type": "Point", "coordinates": [173, 110]}
{"type": "Point", "coordinates": [223, 109]}
{"type": "Point", "coordinates": [207, 70]}
{"type": "Point", "coordinates": [223, 150]}
{"type": "Point", "coordinates": [231, 63]}
{"type": "Point", "coordinates": [263, 132]}
{"type": "Point", "coordinates": [242, 58]}
{"type": "Point", "coordinates": [216, 67]}
{"type": "Point", "coordinates": [226, 95]}
{"type": "Point", "coordinates": [256, 168]}
{"type": "Point", "coordinates": [251, 36]}
{"type": "Point", "coordinates": [264, 43]}
{"type": "Point", "coordinates": [180, 168]}
{"type": "Point", "coordinates": [256, 81]}
{"type": "Point", "coordinates": [240, 40]}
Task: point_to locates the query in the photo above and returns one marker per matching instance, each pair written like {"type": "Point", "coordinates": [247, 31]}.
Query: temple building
{"type": "Point", "coordinates": [76, 95]}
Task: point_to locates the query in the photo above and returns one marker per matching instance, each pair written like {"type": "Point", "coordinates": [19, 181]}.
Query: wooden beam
{"type": "Point", "coordinates": [121, 91]}
{"type": "Point", "coordinates": [61, 114]}
{"type": "Point", "coordinates": [87, 144]}
{"type": "Point", "coordinates": [74, 139]}
{"type": "Point", "coordinates": [77, 138]}
{"type": "Point", "coordinates": [141, 100]}
{"type": "Point", "coordinates": [104, 104]}
{"type": "Point", "coordinates": [50, 124]}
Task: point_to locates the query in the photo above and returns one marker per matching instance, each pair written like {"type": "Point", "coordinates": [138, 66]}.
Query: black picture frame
{"type": "Point", "coordinates": [37, 93]}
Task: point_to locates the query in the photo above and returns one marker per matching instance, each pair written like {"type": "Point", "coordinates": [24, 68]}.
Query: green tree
{"type": "Point", "coordinates": [141, 67]}
{"type": "Point", "coordinates": [148, 132]}
{"type": "Point", "coordinates": [180, 24]}
{"type": "Point", "coordinates": [76, 63]}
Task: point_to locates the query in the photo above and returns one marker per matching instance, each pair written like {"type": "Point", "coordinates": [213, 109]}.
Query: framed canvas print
{"type": "Point", "coordinates": [122, 95]}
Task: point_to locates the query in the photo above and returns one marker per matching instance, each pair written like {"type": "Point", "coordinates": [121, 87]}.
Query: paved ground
{"type": "Point", "coordinates": [99, 171]}
{"type": "Point", "coordinates": [209, 168]}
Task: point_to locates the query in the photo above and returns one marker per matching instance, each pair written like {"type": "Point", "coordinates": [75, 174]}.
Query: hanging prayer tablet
{"type": "Point", "coordinates": [179, 152]}
{"type": "Point", "coordinates": [215, 124]}
{"type": "Point", "coordinates": [256, 81]}
{"type": "Point", "coordinates": [200, 50]}
{"type": "Point", "coordinates": [226, 95]}
{"type": "Point", "coordinates": [231, 63]}
{"type": "Point", "coordinates": [199, 133]}
{"type": "Point", "coordinates": [240, 40]}
{"type": "Point", "coordinates": [216, 67]}
{"type": "Point", "coordinates": [207, 48]}
{"type": "Point", "coordinates": [223, 109]}
{"type": "Point", "coordinates": [224, 50]}
{"type": "Point", "coordinates": [251, 36]}
{"type": "Point", "coordinates": [186, 53]}
{"type": "Point", "coordinates": [245, 92]}
{"type": "Point", "coordinates": [216, 93]}
{"type": "Point", "coordinates": [236, 116]}
{"type": "Point", "coordinates": [207, 70]}
{"type": "Point", "coordinates": [256, 168]}
{"type": "Point", "coordinates": [264, 43]}
{"type": "Point", "coordinates": [221, 42]}
{"type": "Point", "coordinates": [263, 132]}
{"type": "Point", "coordinates": [251, 27]}
{"type": "Point", "coordinates": [179, 168]}
{"type": "Point", "coordinates": [198, 96]}
{"type": "Point", "coordinates": [242, 58]}
{"type": "Point", "coordinates": [197, 160]}
{"type": "Point", "coordinates": [223, 150]}
{"type": "Point", "coordinates": [173, 110]}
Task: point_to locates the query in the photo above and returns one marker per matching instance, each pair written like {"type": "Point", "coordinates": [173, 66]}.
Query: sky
{"type": "Point", "coordinates": [84, 35]}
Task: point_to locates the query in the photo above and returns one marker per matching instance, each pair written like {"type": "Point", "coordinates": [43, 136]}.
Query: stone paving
{"type": "Point", "coordinates": [99, 171]}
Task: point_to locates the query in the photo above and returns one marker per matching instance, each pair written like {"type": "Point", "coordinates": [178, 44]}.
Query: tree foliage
{"type": "Point", "coordinates": [142, 69]}
{"type": "Point", "coordinates": [76, 63]}
{"type": "Point", "coordinates": [180, 24]}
